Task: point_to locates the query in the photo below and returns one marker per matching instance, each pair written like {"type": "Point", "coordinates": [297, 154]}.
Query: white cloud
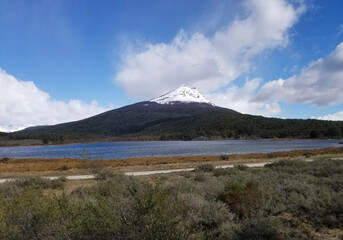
{"type": "Point", "coordinates": [320, 84]}
{"type": "Point", "coordinates": [210, 63]}
{"type": "Point", "coordinates": [340, 30]}
{"type": "Point", "coordinates": [240, 99]}
{"type": "Point", "coordinates": [23, 104]}
{"type": "Point", "coordinates": [334, 117]}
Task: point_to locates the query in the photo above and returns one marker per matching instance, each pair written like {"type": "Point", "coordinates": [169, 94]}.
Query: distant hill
{"type": "Point", "coordinates": [3, 134]}
{"type": "Point", "coordinates": [182, 121]}
{"type": "Point", "coordinates": [190, 117]}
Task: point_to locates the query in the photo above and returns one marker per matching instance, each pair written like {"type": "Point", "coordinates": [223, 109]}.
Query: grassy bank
{"type": "Point", "coordinates": [288, 199]}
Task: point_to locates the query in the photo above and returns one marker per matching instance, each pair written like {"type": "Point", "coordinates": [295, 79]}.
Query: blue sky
{"type": "Point", "coordinates": [66, 60]}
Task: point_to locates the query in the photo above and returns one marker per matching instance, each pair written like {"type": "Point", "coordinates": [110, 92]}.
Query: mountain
{"type": "Point", "coordinates": [182, 114]}
{"type": "Point", "coordinates": [3, 134]}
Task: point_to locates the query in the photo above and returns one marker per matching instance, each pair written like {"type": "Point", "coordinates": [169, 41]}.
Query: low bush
{"type": "Point", "coordinates": [206, 167]}
{"type": "Point", "coordinates": [219, 172]}
{"type": "Point", "coordinates": [243, 200]}
{"type": "Point", "coordinates": [4, 160]}
{"type": "Point", "coordinates": [39, 183]}
{"type": "Point", "coordinates": [241, 167]}
{"type": "Point", "coordinates": [64, 168]}
{"type": "Point", "coordinates": [271, 155]}
{"type": "Point", "coordinates": [309, 154]}
{"type": "Point", "coordinates": [224, 157]}
{"type": "Point", "coordinates": [258, 229]}
{"type": "Point", "coordinates": [199, 177]}
{"type": "Point", "coordinates": [104, 174]}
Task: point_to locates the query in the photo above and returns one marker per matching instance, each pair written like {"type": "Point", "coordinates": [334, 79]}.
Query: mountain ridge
{"type": "Point", "coordinates": [174, 117]}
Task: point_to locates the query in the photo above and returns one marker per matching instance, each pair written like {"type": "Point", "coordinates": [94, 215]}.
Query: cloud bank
{"type": "Point", "coordinates": [23, 104]}
{"type": "Point", "coordinates": [332, 117]}
{"type": "Point", "coordinates": [211, 62]}
{"type": "Point", "coordinates": [320, 84]}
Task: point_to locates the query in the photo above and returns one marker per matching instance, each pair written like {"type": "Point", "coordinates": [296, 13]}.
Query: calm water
{"type": "Point", "coordinates": [174, 148]}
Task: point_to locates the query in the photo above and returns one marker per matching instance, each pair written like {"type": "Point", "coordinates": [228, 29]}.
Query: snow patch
{"type": "Point", "coordinates": [12, 128]}
{"type": "Point", "coordinates": [182, 94]}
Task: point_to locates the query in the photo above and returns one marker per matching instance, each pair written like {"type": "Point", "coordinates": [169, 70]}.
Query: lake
{"type": "Point", "coordinates": [120, 150]}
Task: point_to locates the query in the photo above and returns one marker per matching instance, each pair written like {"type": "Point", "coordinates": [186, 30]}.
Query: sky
{"type": "Point", "coordinates": [66, 60]}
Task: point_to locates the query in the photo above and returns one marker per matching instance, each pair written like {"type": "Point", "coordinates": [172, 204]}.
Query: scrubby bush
{"type": "Point", "coordinates": [186, 174]}
{"type": "Point", "coordinates": [4, 160]}
{"type": "Point", "coordinates": [243, 200]}
{"type": "Point", "coordinates": [309, 154]}
{"type": "Point", "coordinates": [206, 167]}
{"type": "Point", "coordinates": [104, 174]}
{"type": "Point", "coordinates": [241, 167]}
{"type": "Point", "coordinates": [39, 183]}
{"type": "Point", "coordinates": [224, 157]}
{"type": "Point", "coordinates": [260, 229]}
{"type": "Point", "coordinates": [219, 172]}
{"type": "Point", "coordinates": [271, 155]}
{"type": "Point", "coordinates": [199, 177]}
{"type": "Point", "coordinates": [64, 167]}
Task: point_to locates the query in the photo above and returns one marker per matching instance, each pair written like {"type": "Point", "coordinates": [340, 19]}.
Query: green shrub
{"type": "Point", "coordinates": [219, 172]}
{"type": "Point", "coordinates": [64, 167]}
{"type": "Point", "coordinates": [31, 215]}
{"type": "Point", "coordinates": [309, 154]}
{"type": "Point", "coordinates": [224, 157]}
{"type": "Point", "coordinates": [255, 230]}
{"type": "Point", "coordinates": [206, 167]}
{"type": "Point", "coordinates": [241, 167]}
{"type": "Point", "coordinates": [271, 155]}
{"type": "Point", "coordinates": [205, 219]}
{"type": "Point", "coordinates": [4, 160]}
{"type": "Point", "coordinates": [199, 177]}
{"type": "Point", "coordinates": [104, 174]}
{"type": "Point", "coordinates": [39, 183]}
{"type": "Point", "coordinates": [186, 174]}
{"type": "Point", "coordinates": [287, 165]}
{"type": "Point", "coordinates": [243, 200]}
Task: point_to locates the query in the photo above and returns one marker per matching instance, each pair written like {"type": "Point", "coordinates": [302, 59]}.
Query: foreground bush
{"type": "Point", "coordinates": [243, 200]}
{"type": "Point", "coordinates": [284, 200]}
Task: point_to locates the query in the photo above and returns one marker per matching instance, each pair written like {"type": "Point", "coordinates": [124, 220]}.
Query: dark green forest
{"type": "Point", "coordinates": [152, 121]}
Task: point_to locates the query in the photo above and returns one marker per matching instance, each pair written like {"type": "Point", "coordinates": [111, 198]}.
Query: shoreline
{"type": "Point", "coordinates": [195, 140]}
{"type": "Point", "coordinates": [16, 167]}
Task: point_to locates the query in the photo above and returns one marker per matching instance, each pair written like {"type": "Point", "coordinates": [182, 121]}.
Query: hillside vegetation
{"type": "Point", "coordinates": [152, 121]}
{"type": "Point", "coordinates": [284, 200]}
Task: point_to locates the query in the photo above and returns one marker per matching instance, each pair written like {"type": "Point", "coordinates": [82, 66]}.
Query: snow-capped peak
{"type": "Point", "coordinates": [182, 94]}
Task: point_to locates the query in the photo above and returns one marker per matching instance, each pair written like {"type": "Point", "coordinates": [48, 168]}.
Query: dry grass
{"type": "Point", "coordinates": [68, 166]}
